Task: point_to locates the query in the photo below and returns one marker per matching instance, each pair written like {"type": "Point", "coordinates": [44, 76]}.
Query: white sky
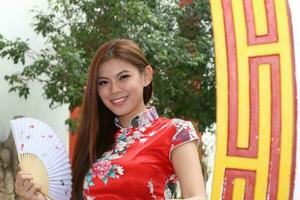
{"type": "Point", "coordinates": [15, 22]}
{"type": "Point", "coordinates": [295, 12]}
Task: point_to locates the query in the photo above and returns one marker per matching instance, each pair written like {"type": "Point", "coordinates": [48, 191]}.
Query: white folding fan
{"type": "Point", "coordinates": [42, 154]}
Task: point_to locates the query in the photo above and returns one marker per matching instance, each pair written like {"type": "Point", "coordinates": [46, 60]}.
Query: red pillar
{"type": "Point", "coordinates": [72, 136]}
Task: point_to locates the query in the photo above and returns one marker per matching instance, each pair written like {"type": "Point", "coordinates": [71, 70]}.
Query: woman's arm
{"type": "Point", "coordinates": [187, 167]}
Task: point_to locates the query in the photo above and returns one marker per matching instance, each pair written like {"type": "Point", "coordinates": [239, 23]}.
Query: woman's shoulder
{"type": "Point", "coordinates": [176, 127]}
{"type": "Point", "coordinates": [179, 132]}
{"type": "Point", "coordinates": [183, 127]}
{"type": "Point", "coordinates": [181, 122]}
{"type": "Point", "coordinates": [176, 122]}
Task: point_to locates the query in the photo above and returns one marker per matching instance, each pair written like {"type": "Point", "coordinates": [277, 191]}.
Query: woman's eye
{"type": "Point", "coordinates": [102, 82]}
{"type": "Point", "coordinates": [125, 76]}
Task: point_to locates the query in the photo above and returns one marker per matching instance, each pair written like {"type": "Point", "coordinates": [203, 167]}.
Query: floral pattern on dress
{"type": "Point", "coordinates": [103, 168]}
{"type": "Point", "coordinates": [185, 133]}
{"type": "Point", "coordinates": [87, 197]}
{"type": "Point", "coordinates": [151, 189]}
{"type": "Point", "coordinates": [170, 187]}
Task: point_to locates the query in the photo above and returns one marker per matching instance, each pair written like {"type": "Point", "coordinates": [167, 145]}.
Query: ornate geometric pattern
{"type": "Point", "coordinates": [256, 100]}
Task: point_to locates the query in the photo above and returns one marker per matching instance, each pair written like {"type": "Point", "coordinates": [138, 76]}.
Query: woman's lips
{"type": "Point", "coordinates": [119, 101]}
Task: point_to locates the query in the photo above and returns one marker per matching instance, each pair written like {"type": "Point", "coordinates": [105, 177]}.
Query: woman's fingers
{"type": "Point", "coordinates": [39, 196]}
{"type": "Point", "coordinates": [23, 189]}
{"type": "Point", "coordinates": [24, 175]}
{"type": "Point", "coordinates": [26, 188]}
{"type": "Point", "coordinates": [23, 182]}
{"type": "Point", "coordinates": [30, 193]}
{"type": "Point", "coordinates": [35, 193]}
{"type": "Point", "coordinates": [21, 178]}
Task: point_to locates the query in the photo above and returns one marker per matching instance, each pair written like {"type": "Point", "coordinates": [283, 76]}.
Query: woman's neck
{"type": "Point", "coordinates": [124, 120]}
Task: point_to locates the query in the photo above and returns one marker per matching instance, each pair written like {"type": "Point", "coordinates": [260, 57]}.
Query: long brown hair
{"type": "Point", "coordinates": [96, 127]}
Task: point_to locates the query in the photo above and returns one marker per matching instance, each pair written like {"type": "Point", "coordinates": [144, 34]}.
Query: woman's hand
{"type": "Point", "coordinates": [26, 188]}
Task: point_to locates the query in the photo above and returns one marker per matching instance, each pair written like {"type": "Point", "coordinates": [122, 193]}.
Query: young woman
{"type": "Point", "coordinates": [124, 149]}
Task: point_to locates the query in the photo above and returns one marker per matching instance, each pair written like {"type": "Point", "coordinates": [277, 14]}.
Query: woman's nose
{"type": "Point", "coordinates": [115, 88]}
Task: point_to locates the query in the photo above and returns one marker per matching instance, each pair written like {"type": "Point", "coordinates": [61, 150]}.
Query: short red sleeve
{"type": "Point", "coordinates": [185, 132]}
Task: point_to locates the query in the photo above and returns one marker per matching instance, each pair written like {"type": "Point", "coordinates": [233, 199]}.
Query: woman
{"type": "Point", "coordinates": [125, 150]}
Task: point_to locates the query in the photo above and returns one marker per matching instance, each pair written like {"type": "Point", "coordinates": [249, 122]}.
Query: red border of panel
{"type": "Point", "coordinates": [252, 37]}
{"type": "Point", "coordinates": [274, 61]}
{"type": "Point", "coordinates": [233, 150]}
{"type": "Point", "coordinates": [231, 174]}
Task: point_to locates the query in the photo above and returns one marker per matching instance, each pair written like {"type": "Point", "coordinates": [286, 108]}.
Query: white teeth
{"type": "Point", "coordinates": [118, 100]}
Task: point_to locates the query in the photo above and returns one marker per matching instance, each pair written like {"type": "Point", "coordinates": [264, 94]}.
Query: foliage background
{"type": "Point", "coordinates": [176, 39]}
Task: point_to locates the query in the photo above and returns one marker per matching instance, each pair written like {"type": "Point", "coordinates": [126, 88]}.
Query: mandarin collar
{"type": "Point", "coordinates": [141, 119]}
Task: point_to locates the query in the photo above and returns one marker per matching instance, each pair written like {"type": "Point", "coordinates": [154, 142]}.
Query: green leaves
{"type": "Point", "coordinates": [18, 85]}
{"type": "Point", "coordinates": [44, 24]}
{"type": "Point", "coordinates": [14, 50]}
{"type": "Point", "coordinates": [176, 41]}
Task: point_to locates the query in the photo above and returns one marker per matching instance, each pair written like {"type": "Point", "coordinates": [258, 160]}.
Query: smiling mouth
{"type": "Point", "coordinates": [119, 101]}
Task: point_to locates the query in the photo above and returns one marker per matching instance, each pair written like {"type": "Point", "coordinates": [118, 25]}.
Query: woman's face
{"type": "Point", "coordinates": [120, 87]}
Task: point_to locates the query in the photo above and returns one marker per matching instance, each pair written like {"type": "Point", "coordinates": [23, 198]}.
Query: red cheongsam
{"type": "Point", "coordinates": [139, 165]}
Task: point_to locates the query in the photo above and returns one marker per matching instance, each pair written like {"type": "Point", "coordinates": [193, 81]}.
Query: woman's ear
{"type": "Point", "coordinates": [148, 74]}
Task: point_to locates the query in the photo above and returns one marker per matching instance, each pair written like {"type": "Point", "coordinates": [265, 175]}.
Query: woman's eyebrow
{"type": "Point", "coordinates": [122, 72]}
{"type": "Point", "coordinates": [118, 74]}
